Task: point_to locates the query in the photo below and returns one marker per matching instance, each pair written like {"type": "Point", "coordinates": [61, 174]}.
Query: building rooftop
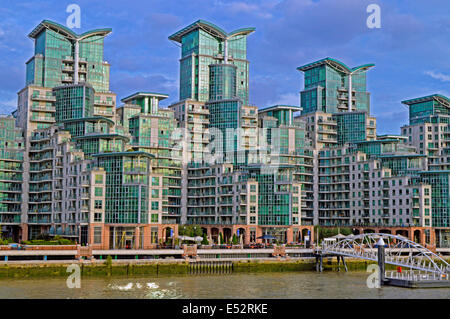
{"type": "Point", "coordinates": [437, 97]}
{"type": "Point", "coordinates": [211, 28]}
{"type": "Point", "coordinates": [159, 96]}
{"type": "Point", "coordinates": [336, 64]}
{"type": "Point", "coordinates": [47, 24]}
{"type": "Point", "coordinates": [294, 108]}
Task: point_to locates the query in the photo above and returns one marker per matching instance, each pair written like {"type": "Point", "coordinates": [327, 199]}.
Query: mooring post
{"type": "Point", "coordinates": [339, 262]}
{"type": "Point", "coordinates": [381, 260]}
{"type": "Point", "coordinates": [321, 263]}
{"type": "Point", "coordinates": [345, 264]}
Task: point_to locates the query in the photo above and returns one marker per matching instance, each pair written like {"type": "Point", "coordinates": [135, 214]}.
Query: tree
{"type": "Point", "coordinates": [235, 240]}
{"type": "Point", "coordinates": [205, 240]}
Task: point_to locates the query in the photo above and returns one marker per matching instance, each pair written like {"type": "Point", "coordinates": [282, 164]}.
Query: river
{"type": "Point", "coordinates": [251, 286]}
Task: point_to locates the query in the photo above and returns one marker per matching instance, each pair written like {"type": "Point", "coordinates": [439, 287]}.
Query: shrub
{"type": "Point", "coordinates": [205, 240]}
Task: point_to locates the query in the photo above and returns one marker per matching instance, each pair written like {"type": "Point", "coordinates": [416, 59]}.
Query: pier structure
{"type": "Point", "coordinates": [424, 268]}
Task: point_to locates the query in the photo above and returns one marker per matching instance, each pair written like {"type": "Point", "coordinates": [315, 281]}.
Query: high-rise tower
{"type": "Point", "coordinates": [203, 46]}
{"type": "Point", "coordinates": [330, 85]}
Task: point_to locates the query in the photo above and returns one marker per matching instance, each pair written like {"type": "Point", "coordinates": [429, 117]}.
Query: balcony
{"type": "Point", "coordinates": [42, 97]}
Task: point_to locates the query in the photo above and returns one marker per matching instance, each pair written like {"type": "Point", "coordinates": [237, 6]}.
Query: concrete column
{"type": "Point", "coordinates": [75, 63]}
{"type": "Point", "coordinates": [350, 92]}
{"type": "Point", "coordinates": [289, 235]}
{"type": "Point", "coordinates": [225, 51]}
{"type": "Point", "coordinates": [137, 234]}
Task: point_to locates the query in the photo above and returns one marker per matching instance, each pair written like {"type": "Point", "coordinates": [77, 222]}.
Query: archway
{"type": "Point", "coordinates": [227, 233]}
{"type": "Point", "coordinates": [241, 235]}
{"type": "Point", "coordinates": [369, 231]}
{"type": "Point", "coordinates": [417, 236]}
{"type": "Point", "coordinates": [168, 235]}
{"type": "Point", "coordinates": [304, 234]}
{"type": "Point", "coordinates": [215, 235]}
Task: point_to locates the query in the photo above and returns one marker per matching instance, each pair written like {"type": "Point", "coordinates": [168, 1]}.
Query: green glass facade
{"type": "Point", "coordinates": [127, 187]}
{"type": "Point", "coordinates": [11, 175]}
{"type": "Point", "coordinates": [326, 87]}
{"type": "Point", "coordinates": [351, 127]}
{"type": "Point", "coordinates": [53, 61]}
{"type": "Point", "coordinates": [440, 196]}
{"type": "Point", "coordinates": [203, 44]}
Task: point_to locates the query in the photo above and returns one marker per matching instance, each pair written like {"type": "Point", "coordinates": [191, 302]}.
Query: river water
{"type": "Point", "coordinates": [251, 286]}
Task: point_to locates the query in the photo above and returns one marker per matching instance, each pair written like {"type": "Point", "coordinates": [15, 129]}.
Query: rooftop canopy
{"type": "Point", "coordinates": [294, 108]}
{"type": "Point", "coordinates": [436, 97]}
{"type": "Point", "coordinates": [66, 32]}
{"type": "Point", "coordinates": [159, 96]}
{"type": "Point", "coordinates": [337, 65]}
{"type": "Point", "coordinates": [210, 28]}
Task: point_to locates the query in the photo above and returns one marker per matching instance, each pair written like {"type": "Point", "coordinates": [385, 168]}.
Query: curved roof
{"type": "Point", "coordinates": [159, 96]}
{"type": "Point", "coordinates": [336, 64]}
{"type": "Point", "coordinates": [66, 31]}
{"type": "Point", "coordinates": [211, 28]}
{"type": "Point", "coordinates": [438, 97]}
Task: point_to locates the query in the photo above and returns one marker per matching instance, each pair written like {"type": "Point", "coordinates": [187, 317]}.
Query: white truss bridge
{"type": "Point", "coordinates": [400, 251]}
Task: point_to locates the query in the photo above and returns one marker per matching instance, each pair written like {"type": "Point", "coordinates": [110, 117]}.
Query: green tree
{"type": "Point", "coordinates": [205, 240]}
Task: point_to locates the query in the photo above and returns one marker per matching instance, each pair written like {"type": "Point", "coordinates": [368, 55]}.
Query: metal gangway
{"type": "Point", "coordinates": [399, 251]}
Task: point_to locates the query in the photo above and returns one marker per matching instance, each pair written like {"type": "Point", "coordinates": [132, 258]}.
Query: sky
{"type": "Point", "coordinates": [410, 50]}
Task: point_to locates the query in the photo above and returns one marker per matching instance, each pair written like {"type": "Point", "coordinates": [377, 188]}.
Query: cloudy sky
{"type": "Point", "coordinates": [411, 49]}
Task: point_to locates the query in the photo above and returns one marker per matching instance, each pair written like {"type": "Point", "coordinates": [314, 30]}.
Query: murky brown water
{"type": "Point", "coordinates": [269, 285]}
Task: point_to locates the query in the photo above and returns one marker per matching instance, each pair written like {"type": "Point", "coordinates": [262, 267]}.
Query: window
{"type": "Point", "coordinates": [97, 235]}
{"type": "Point", "coordinates": [154, 235]}
{"type": "Point", "coordinates": [155, 181]}
{"type": "Point", "coordinates": [154, 218]}
{"type": "Point", "coordinates": [98, 217]}
{"type": "Point", "coordinates": [98, 191]}
{"type": "Point", "coordinates": [98, 204]}
{"type": "Point", "coordinates": [98, 179]}
{"type": "Point", "coordinates": [155, 205]}
{"type": "Point", "coordinates": [252, 188]}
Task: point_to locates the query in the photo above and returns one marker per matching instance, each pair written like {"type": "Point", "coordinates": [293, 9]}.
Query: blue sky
{"type": "Point", "coordinates": [411, 49]}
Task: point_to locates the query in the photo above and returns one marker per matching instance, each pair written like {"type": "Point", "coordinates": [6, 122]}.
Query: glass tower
{"type": "Point", "coordinates": [327, 86]}
{"type": "Point", "coordinates": [204, 44]}
{"type": "Point", "coordinates": [62, 56]}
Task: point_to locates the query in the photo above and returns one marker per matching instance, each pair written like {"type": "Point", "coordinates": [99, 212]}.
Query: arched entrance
{"type": "Point", "coordinates": [215, 235]}
{"type": "Point", "coordinates": [304, 234]}
{"type": "Point", "coordinates": [369, 231]}
{"type": "Point", "coordinates": [227, 233]}
{"type": "Point", "coordinates": [168, 235]}
{"type": "Point", "coordinates": [417, 236]}
{"type": "Point", "coordinates": [241, 235]}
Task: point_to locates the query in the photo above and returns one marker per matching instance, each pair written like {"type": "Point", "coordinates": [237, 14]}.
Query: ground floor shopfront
{"type": "Point", "coordinates": [160, 235]}
{"type": "Point", "coordinates": [138, 236]}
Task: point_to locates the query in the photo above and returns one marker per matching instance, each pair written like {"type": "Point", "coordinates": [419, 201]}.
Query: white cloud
{"type": "Point", "coordinates": [438, 76]}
